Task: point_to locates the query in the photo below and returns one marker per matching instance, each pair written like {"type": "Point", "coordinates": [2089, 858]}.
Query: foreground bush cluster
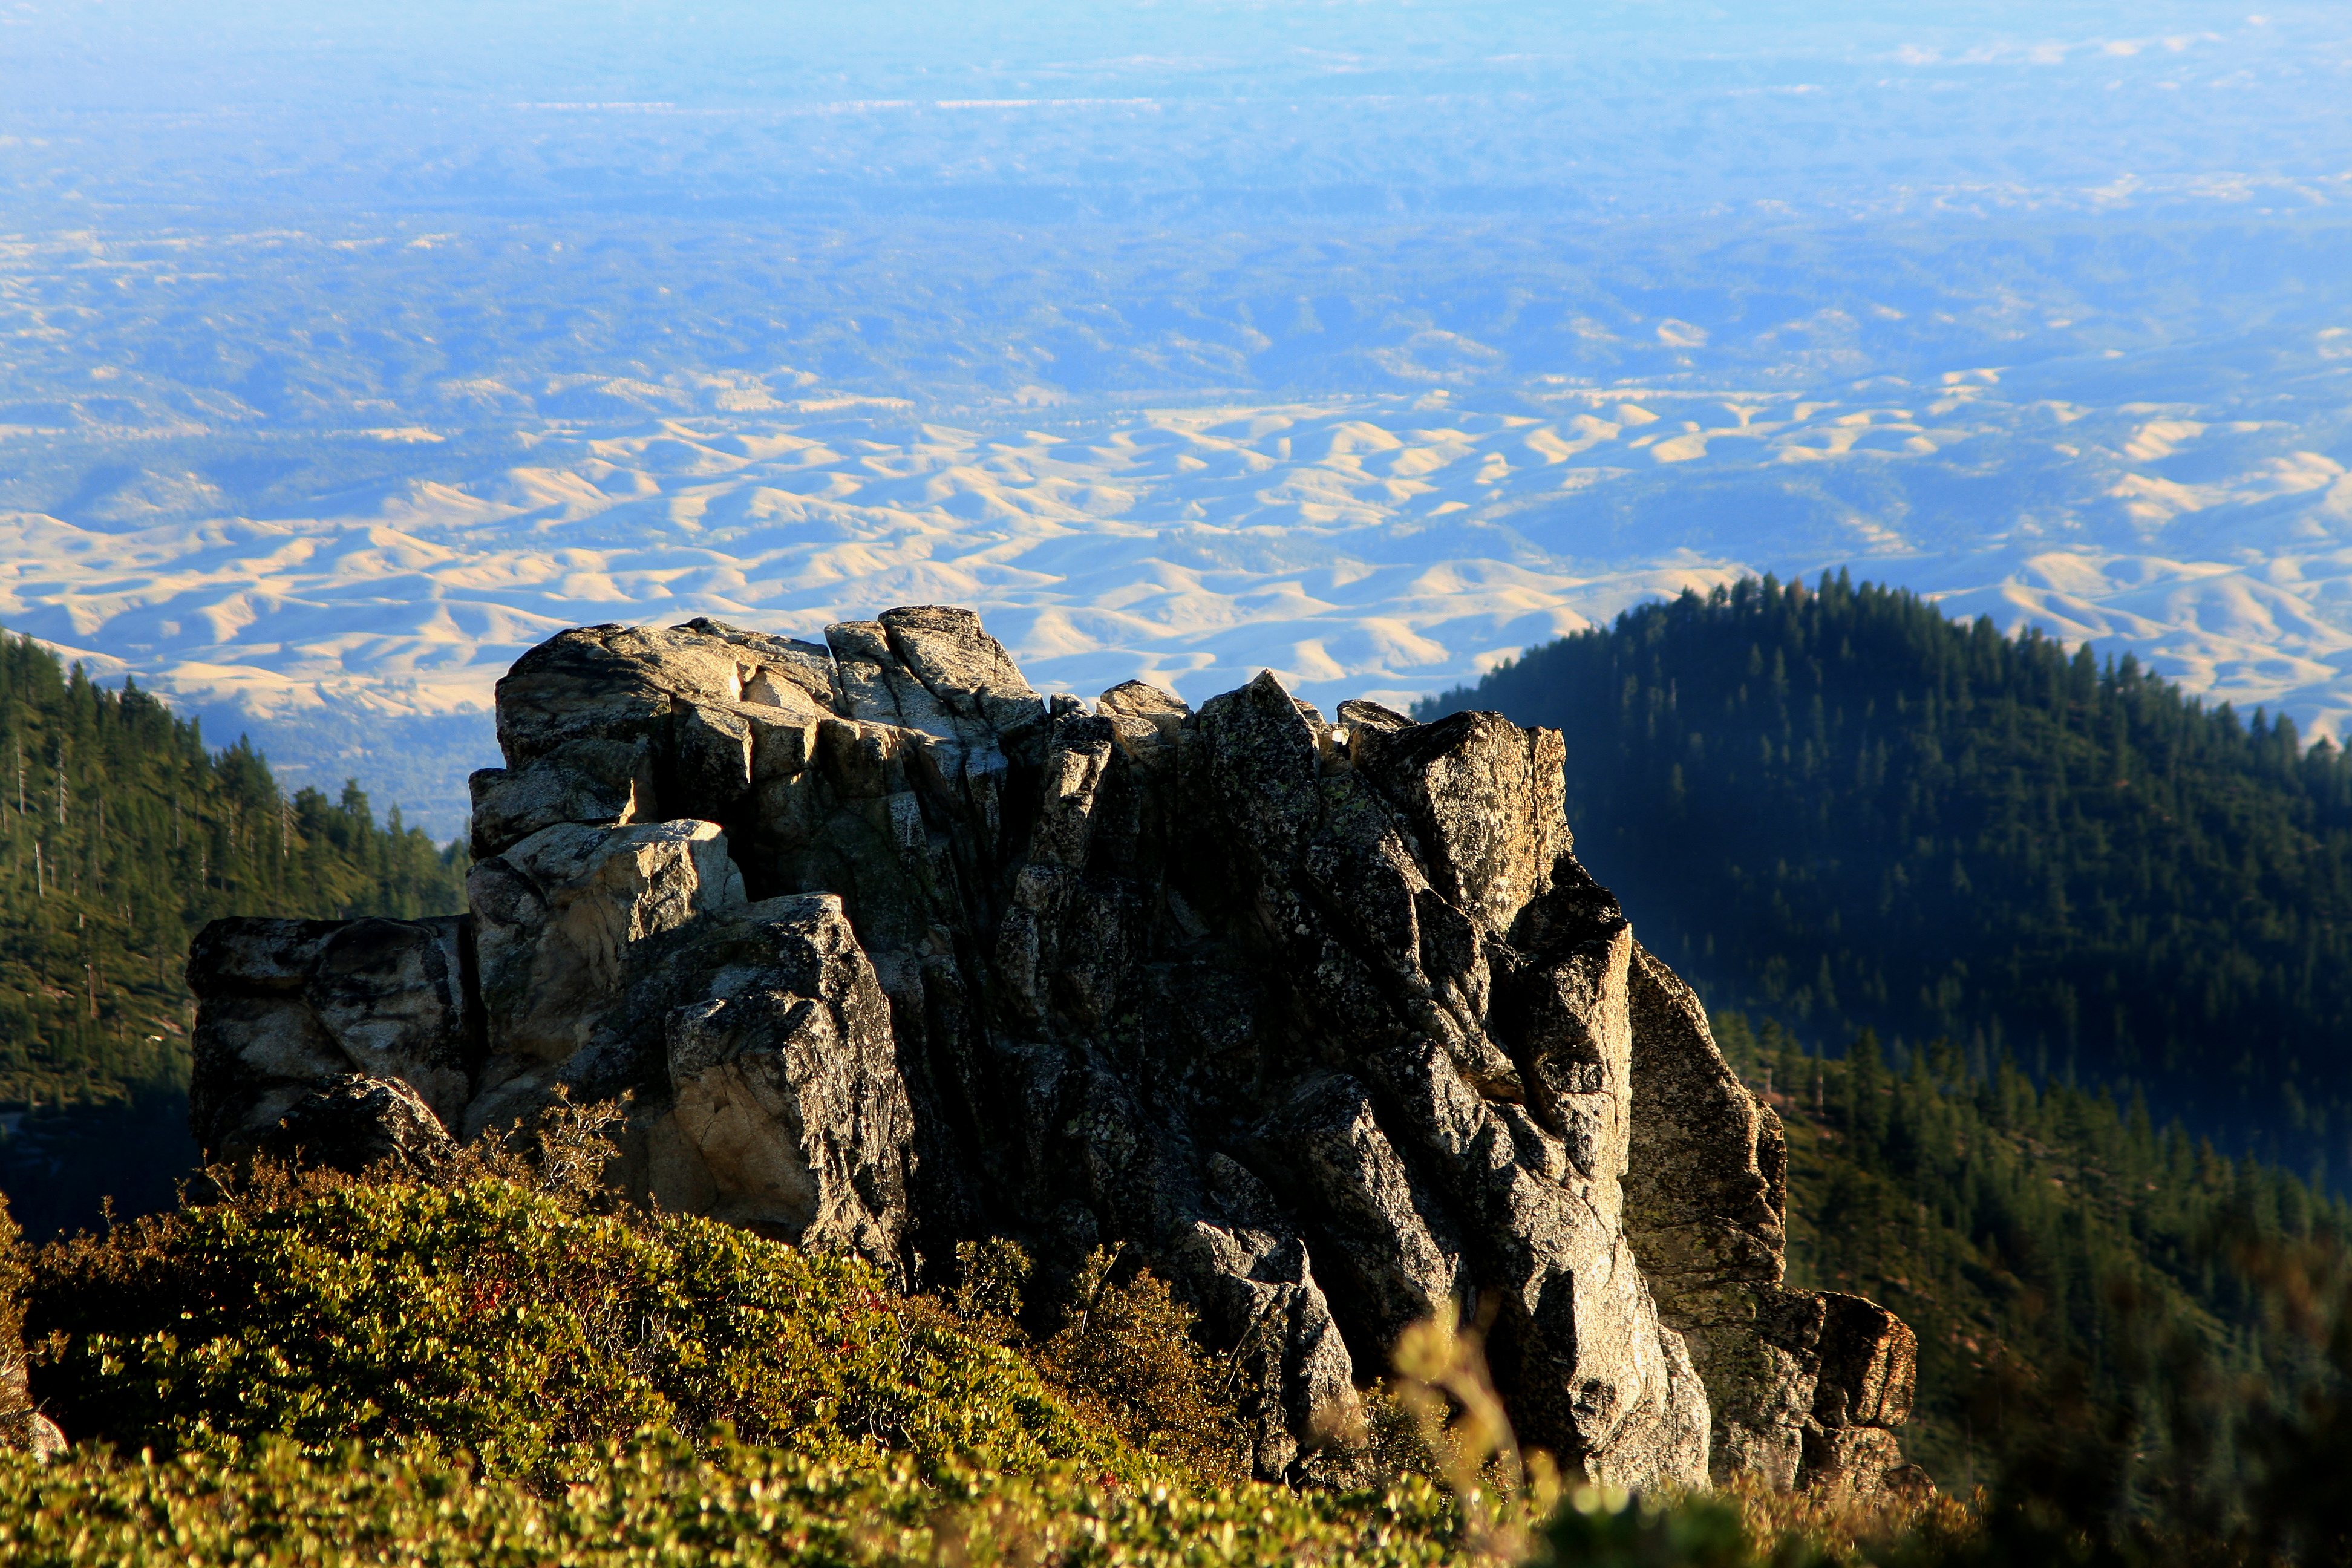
{"type": "Point", "coordinates": [485, 1369]}
{"type": "Point", "coordinates": [491, 1319]}
{"type": "Point", "coordinates": [658, 1501]}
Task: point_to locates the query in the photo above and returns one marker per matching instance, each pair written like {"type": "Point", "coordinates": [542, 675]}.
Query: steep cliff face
{"type": "Point", "coordinates": [1320, 1018]}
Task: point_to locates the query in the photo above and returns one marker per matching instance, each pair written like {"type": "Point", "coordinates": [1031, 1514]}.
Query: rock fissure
{"type": "Point", "coordinates": [1322, 1020]}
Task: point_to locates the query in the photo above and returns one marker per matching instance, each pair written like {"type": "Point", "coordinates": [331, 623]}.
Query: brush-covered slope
{"type": "Point", "coordinates": [490, 1367]}
{"type": "Point", "coordinates": [2053, 1248]}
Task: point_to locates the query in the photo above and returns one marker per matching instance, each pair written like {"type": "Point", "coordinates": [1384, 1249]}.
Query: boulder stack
{"type": "Point", "coordinates": [1319, 1017]}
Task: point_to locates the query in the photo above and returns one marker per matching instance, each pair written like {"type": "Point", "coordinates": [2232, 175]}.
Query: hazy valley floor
{"type": "Point", "coordinates": [2186, 507]}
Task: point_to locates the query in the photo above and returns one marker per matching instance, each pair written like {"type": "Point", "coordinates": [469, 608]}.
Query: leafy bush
{"type": "Point", "coordinates": [503, 1322]}
{"type": "Point", "coordinates": [1125, 1354]}
{"type": "Point", "coordinates": [484, 1371]}
{"type": "Point", "coordinates": [1597, 1527]}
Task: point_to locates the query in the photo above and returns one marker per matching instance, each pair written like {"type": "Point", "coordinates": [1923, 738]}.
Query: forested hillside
{"type": "Point", "coordinates": [1843, 809]}
{"type": "Point", "coordinates": [121, 833]}
{"type": "Point", "coordinates": [2073, 1272]}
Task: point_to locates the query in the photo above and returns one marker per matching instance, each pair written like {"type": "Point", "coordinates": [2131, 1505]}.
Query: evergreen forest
{"type": "Point", "coordinates": [121, 833]}
{"type": "Point", "coordinates": [1838, 807]}
{"type": "Point", "coordinates": [2087, 1289]}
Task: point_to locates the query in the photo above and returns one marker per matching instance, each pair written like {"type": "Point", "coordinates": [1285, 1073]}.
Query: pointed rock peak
{"type": "Point", "coordinates": [1268, 691]}
{"type": "Point", "coordinates": [1139, 700]}
{"type": "Point", "coordinates": [946, 649]}
{"type": "Point", "coordinates": [1264, 705]}
{"type": "Point", "coordinates": [1486, 800]}
{"type": "Point", "coordinates": [1266, 763]}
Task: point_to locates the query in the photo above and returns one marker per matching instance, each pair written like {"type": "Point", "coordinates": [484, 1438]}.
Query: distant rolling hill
{"type": "Point", "coordinates": [350, 601]}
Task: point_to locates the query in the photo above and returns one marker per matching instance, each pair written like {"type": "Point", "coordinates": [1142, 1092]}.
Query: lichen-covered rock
{"type": "Point", "coordinates": [601, 783]}
{"type": "Point", "coordinates": [789, 1115]}
{"type": "Point", "coordinates": [1323, 1021]}
{"type": "Point", "coordinates": [23, 1429]}
{"type": "Point", "coordinates": [1706, 1205]}
{"type": "Point", "coordinates": [353, 1123]}
{"type": "Point", "coordinates": [557, 922]}
{"type": "Point", "coordinates": [1869, 1364]}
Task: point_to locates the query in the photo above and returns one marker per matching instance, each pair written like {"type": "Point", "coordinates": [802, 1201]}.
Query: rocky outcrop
{"type": "Point", "coordinates": [288, 1005]}
{"type": "Point", "coordinates": [1804, 1386]}
{"type": "Point", "coordinates": [354, 1123]}
{"type": "Point", "coordinates": [23, 1429]}
{"type": "Point", "coordinates": [1320, 1018]}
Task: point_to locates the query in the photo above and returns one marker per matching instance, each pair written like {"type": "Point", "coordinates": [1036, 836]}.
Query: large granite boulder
{"type": "Point", "coordinates": [287, 1006]}
{"type": "Point", "coordinates": [1322, 1018]}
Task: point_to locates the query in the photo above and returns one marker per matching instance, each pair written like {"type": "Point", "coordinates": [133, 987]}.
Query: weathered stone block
{"type": "Point", "coordinates": [286, 1004]}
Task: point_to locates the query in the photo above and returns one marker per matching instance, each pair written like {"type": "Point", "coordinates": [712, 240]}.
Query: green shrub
{"type": "Point", "coordinates": [343, 1370]}
{"type": "Point", "coordinates": [1124, 1355]}
{"type": "Point", "coordinates": [1598, 1527]}
{"type": "Point", "coordinates": [503, 1322]}
{"type": "Point", "coordinates": [656, 1501]}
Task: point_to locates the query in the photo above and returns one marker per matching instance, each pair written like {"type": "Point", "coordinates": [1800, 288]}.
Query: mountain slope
{"type": "Point", "coordinates": [2048, 1246]}
{"type": "Point", "coordinates": [1843, 809]}
{"type": "Point", "coordinates": [121, 833]}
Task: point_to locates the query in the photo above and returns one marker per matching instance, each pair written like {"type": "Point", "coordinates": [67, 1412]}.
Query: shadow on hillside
{"type": "Point", "coordinates": [59, 1166]}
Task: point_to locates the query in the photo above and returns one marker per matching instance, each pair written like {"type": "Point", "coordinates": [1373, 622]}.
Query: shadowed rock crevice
{"type": "Point", "coordinates": [1322, 1020]}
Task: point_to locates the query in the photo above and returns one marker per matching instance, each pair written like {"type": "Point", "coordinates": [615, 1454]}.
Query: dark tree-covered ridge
{"type": "Point", "coordinates": [2048, 1245]}
{"type": "Point", "coordinates": [1839, 805]}
{"type": "Point", "coordinates": [121, 833]}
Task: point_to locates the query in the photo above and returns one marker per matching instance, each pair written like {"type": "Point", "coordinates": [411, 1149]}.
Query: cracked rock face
{"type": "Point", "coordinates": [1321, 1019]}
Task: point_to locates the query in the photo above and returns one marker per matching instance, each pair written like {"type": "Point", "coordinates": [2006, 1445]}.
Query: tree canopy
{"type": "Point", "coordinates": [121, 833]}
